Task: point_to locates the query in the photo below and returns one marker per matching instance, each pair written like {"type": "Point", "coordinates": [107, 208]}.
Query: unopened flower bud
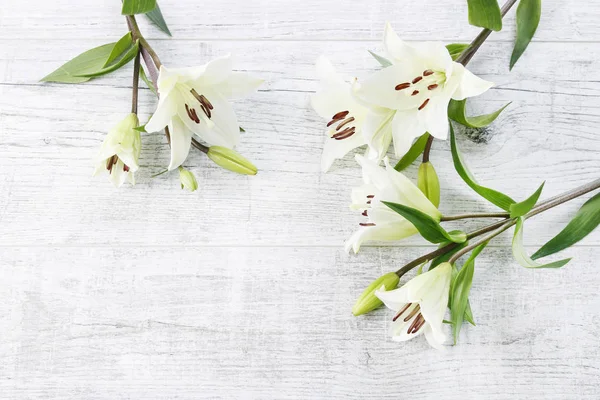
{"type": "Point", "coordinates": [368, 301]}
{"type": "Point", "coordinates": [187, 179]}
{"type": "Point", "coordinates": [429, 183]}
{"type": "Point", "coordinates": [231, 160]}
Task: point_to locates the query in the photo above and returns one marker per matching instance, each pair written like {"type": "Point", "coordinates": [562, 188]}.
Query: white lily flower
{"type": "Point", "coordinates": [420, 305]}
{"type": "Point", "coordinates": [414, 92]}
{"type": "Point", "coordinates": [194, 101]}
{"type": "Point", "coordinates": [120, 151]}
{"type": "Point", "coordinates": [385, 184]}
{"type": "Point", "coordinates": [335, 102]}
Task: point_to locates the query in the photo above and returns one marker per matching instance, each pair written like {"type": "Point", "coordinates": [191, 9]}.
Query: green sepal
{"type": "Point", "coordinates": [493, 196]}
{"type": "Point", "coordinates": [429, 228]}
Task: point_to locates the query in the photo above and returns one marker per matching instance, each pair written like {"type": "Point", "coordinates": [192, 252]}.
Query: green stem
{"type": "Point", "coordinates": [135, 86]}
{"type": "Point", "coordinates": [137, 34]}
{"type": "Point", "coordinates": [427, 149]}
{"type": "Point", "coordinates": [474, 215]}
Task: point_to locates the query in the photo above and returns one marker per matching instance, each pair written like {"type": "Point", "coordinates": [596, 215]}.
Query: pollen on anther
{"type": "Point", "coordinates": [367, 224]}
{"type": "Point", "coordinates": [422, 106]}
{"type": "Point", "coordinates": [431, 87]}
{"type": "Point", "coordinates": [402, 86]}
{"type": "Point", "coordinates": [427, 72]}
{"type": "Point", "coordinates": [370, 196]}
{"type": "Point", "coordinates": [416, 92]}
{"type": "Point", "coordinates": [401, 311]}
{"type": "Point", "coordinates": [340, 115]}
{"type": "Point", "coordinates": [417, 79]}
{"type": "Point", "coordinates": [365, 213]}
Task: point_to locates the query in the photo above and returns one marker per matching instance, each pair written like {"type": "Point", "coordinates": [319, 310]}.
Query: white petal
{"type": "Point", "coordinates": [435, 339]}
{"type": "Point", "coordinates": [372, 172]}
{"type": "Point", "coordinates": [359, 196]}
{"type": "Point", "coordinates": [377, 131]}
{"type": "Point", "coordinates": [380, 88]}
{"type": "Point", "coordinates": [238, 85]}
{"type": "Point", "coordinates": [387, 232]}
{"type": "Point", "coordinates": [181, 139]}
{"type": "Point", "coordinates": [166, 109]}
{"type": "Point", "coordinates": [327, 72]}
{"type": "Point", "coordinates": [213, 72]}
{"type": "Point", "coordinates": [335, 149]}
{"type": "Point", "coordinates": [395, 47]}
{"type": "Point", "coordinates": [118, 175]}
{"type": "Point", "coordinates": [435, 300]}
{"type": "Point", "coordinates": [436, 118]}
{"type": "Point", "coordinates": [469, 85]}
{"type": "Point", "coordinates": [435, 56]}
{"type": "Point", "coordinates": [406, 126]}
{"type": "Point", "coordinates": [393, 299]}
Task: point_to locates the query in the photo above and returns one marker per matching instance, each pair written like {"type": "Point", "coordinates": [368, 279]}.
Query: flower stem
{"type": "Point", "coordinates": [427, 149]}
{"type": "Point", "coordinates": [135, 86]}
{"type": "Point", "coordinates": [466, 55]}
{"type": "Point", "coordinates": [475, 215]}
{"type": "Point", "coordinates": [137, 34]}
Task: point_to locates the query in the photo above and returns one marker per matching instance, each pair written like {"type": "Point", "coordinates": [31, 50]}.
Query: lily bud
{"type": "Point", "coordinates": [231, 160]}
{"type": "Point", "coordinates": [429, 183]}
{"type": "Point", "coordinates": [367, 301]}
{"type": "Point", "coordinates": [187, 179]}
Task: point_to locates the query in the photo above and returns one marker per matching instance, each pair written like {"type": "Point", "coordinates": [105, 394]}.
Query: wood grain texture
{"type": "Point", "coordinates": [242, 289]}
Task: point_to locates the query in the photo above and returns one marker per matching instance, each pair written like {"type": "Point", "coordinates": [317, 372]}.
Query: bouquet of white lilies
{"type": "Point", "coordinates": [193, 107]}
{"type": "Point", "coordinates": [416, 96]}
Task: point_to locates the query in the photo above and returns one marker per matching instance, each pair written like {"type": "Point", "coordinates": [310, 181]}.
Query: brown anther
{"type": "Point", "coordinates": [422, 106]}
{"type": "Point", "coordinates": [340, 115]}
{"type": "Point", "coordinates": [367, 224]}
{"type": "Point", "coordinates": [206, 110]}
{"type": "Point", "coordinates": [125, 168]}
{"type": "Point", "coordinates": [365, 214]}
{"type": "Point", "coordinates": [401, 311]}
{"type": "Point", "coordinates": [369, 202]}
{"type": "Point", "coordinates": [416, 92]}
{"type": "Point", "coordinates": [427, 72]}
{"type": "Point", "coordinates": [111, 162]}
{"type": "Point", "coordinates": [344, 122]}
{"type": "Point", "coordinates": [189, 112]}
{"type": "Point", "coordinates": [346, 133]}
{"type": "Point", "coordinates": [431, 87]}
{"type": "Point", "coordinates": [402, 86]}
{"type": "Point", "coordinates": [412, 313]}
{"type": "Point", "coordinates": [419, 325]}
{"type": "Point", "coordinates": [417, 79]}
{"type": "Point", "coordinates": [370, 196]}
{"type": "Point", "coordinates": [194, 116]}
{"type": "Point", "coordinates": [413, 327]}
{"type": "Point", "coordinates": [204, 100]}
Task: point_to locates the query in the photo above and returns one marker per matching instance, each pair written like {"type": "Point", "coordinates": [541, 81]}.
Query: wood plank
{"type": "Point", "coordinates": [51, 132]}
{"type": "Point", "coordinates": [175, 322]}
{"type": "Point", "coordinates": [562, 20]}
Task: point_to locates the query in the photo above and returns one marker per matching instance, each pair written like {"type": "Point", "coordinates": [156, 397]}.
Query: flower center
{"type": "Point", "coordinates": [205, 105]}
{"type": "Point", "coordinates": [366, 214]}
{"type": "Point", "coordinates": [422, 84]}
{"type": "Point", "coordinates": [112, 161]}
{"type": "Point", "coordinates": [417, 323]}
{"type": "Point", "coordinates": [345, 127]}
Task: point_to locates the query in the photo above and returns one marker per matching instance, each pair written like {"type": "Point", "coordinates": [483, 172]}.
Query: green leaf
{"type": "Point", "coordinates": [460, 289]}
{"type": "Point", "coordinates": [521, 255]}
{"type": "Point", "coordinates": [141, 128]}
{"type": "Point", "coordinates": [445, 257]}
{"type": "Point", "coordinates": [242, 129]}
{"type": "Point", "coordinates": [528, 19]}
{"type": "Point", "coordinates": [485, 14]}
{"type": "Point", "coordinates": [131, 7]}
{"type": "Point", "coordinates": [584, 222]}
{"type": "Point", "coordinates": [382, 60]}
{"type": "Point", "coordinates": [157, 18]}
{"type": "Point", "coordinates": [429, 228]}
{"type": "Point", "coordinates": [415, 151]}
{"type": "Point", "coordinates": [495, 197]}
{"type": "Point", "coordinates": [457, 112]}
{"type": "Point", "coordinates": [120, 48]}
{"type": "Point", "coordinates": [456, 49]}
{"type": "Point", "coordinates": [90, 61]}
{"type": "Point", "coordinates": [522, 208]}
{"type": "Point", "coordinates": [128, 56]}
{"type": "Point", "coordinates": [147, 81]}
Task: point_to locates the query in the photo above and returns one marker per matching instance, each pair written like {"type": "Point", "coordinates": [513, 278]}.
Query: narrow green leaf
{"type": "Point", "coordinates": [141, 128]}
{"type": "Point", "coordinates": [495, 197]}
{"type": "Point", "coordinates": [131, 7]}
{"type": "Point", "coordinates": [157, 18]}
{"type": "Point", "coordinates": [522, 208]}
{"type": "Point", "coordinates": [147, 81]}
{"type": "Point", "coordinates": [460, 289]}
{"type": "Point", "coordinates": [73, 71]}
{"type": "Point", "coordinates": [413, 153]}
{"type": "Point", "coordinates": [456, 49]}
{"type": "Point", "coordinates": [521, 255]}
{"type": "Point", "coordinates": [120, 48]}
{"type": "Point", "coordinates": [128, 56]}
{"type": "Point", "coordinates": [457, 112]}
{"type": "Point", "coordinates": [584, 222]}
{"type": "Point", "coordinates": [469, 314]}
{"type": "Point", "coordinates": [485, 14]}
{"type": "Point", "coordinates": [242, 129]}
{"type": "Point", "coordinates": [528, 19]}
{"type": "Point", "coordinates": [382, 60]}
{"type": "Point", "coordinates": [429, 228]}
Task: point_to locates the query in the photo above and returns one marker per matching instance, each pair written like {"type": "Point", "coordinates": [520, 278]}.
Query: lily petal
{"type": "Point", "coordinates": [469, 84]}
{"type": "Point", "coordinates": [390, 231]}
{"type": "Point", "coordinates": [238, 85]}
{"type": "Point", "coordinates": [396, 48]}
{"type": "Point", "coordinates": [166, 109]}
{"type": "Point", "coordinates": [377, 131]}
{"type": "Point", "coordinates": [380, 88]}
{"type": "Point", "coordinates": [435, 339]}
{"type": "Point", "coordinates": [406, 126]}
{"type": "Point", "coordinates": [335, 149]}
{"type": "Point", "coordinates": [181, 139]}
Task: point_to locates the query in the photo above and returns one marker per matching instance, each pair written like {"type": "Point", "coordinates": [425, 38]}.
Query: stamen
{"type": "Point", "coordinates": [422, 106]}
{"type": "Point", "coordinates": [402, 86]}
{"type": "Point", "coordinates": [111, 162]}
{"type": "Point", "coordinates": [427, 72]}
{"type": "Point", "coordinates": [195, 116]}
{"type": "Point", "coordinates": [369, 202]}
{"type": "Point", "coordinates": [370, 196]}
{"type": "Point", "coordinates": [412, 313]}
{"type": "Point", "coordinates": [431, 87]}
{"type": "Point", "coordinates": [206, 110]}
{"type": "Point", "coordinates": [125, 168]}
{"type": "Point", "coordinates": [189, 113]}
{"type": "Point", "coordinates": [364, 213]}
{"type": "Point", "coordinates": [367, 224]}
{"type": "Point", "coordinates": [419, 325]}
{"type": "Point", "coordinates": [344, 122]}
{"type": "Point", "coordinates": [346, 133]}
{"type": "Point", "coordinates": [401, 312]}
{"type": "Point", "coordinates": [341, 115]}
{"type": "Point", "coordinates": [417, 79]}
{"type": "Point", "coordinates": [204, 100]}
{"type": "Point", "coordinates": [416, 92]}
{"type": "Point", "coordinates": [415, 323]}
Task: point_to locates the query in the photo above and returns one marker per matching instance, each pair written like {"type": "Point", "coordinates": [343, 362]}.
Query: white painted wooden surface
{"type": "Point", "coordinates": [242, 290]}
